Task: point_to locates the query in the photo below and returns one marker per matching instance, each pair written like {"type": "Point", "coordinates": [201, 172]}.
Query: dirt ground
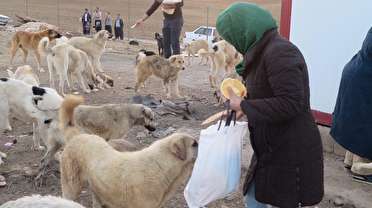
{"type": "Point", "coordinates": [118, 61]}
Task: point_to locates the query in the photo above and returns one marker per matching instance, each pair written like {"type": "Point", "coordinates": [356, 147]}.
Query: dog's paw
{"type": "Point", "coordinates": [41, 70]}
{"type": "Point", "coordinates": [38, 148]}
{"type": "Point", "coordinates": [76, 93]}
{"type": "Point", "coordinates": [2, 155]}
{"type": "Point", "coordinates": [95, 90]}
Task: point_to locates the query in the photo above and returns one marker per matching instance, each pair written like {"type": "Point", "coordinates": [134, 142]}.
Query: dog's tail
{"type": "Point", "coordinates": [44, 46]}
{"type": "Point", "coordinates": [141, 55]}
{"type": "Point", "coordinates": [66, 116]}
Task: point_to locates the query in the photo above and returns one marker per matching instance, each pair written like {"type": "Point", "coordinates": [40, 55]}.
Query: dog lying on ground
{"type": "Point", "coordinates": [193, 48]}
{"type": "Point", "coordinates": [160, 41]}
{"type": "Point", "coordinates": [30, 41]}
{"type": "Point", "coordinates": [165, 69]}
{"type": "Point", "coordinates": [26, 74]}
{"type": "Point", "coordinates": [25, 101]}
{"type": "Point", "coordinates": [224, 60]}
{"type": "Point", "coordinates": [67, 61]}
{"type": "Point", "coordinates": [37, 201]}
{"type": "Point", "coordinates": [145, 178]}
{"type": "Point", "coordinates": [111, 122]}
{"type": "Point", "coordinates": [94, 47]}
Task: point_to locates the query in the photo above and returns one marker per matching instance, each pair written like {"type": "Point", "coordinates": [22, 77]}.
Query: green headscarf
{"type": "Point", "coordinates": [243, 25]}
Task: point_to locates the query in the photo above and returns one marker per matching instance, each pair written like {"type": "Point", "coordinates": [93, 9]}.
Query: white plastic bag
{"type": "Point", "coordinates": [217, 169]}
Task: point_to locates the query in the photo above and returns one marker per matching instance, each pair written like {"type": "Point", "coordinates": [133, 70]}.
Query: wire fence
{"type": "Point", "coordinates": [66, 14]}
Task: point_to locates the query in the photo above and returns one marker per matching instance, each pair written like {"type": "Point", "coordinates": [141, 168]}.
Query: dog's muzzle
{"type": "Point", "coordinates": [59, 35]}
{"type": "Point", "coordinates": [150, 128]}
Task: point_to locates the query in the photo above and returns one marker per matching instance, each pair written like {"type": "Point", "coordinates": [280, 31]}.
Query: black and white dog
{"type": "Point", "coordinates": [27, 102]}
{"type": "Point", "coordinates": [160, 40]}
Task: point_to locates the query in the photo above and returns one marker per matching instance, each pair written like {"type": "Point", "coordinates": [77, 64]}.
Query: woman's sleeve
{"type": "Point", "coordinates": [285, 72]}
{"type": "Point", "coordinates": [153, 7]}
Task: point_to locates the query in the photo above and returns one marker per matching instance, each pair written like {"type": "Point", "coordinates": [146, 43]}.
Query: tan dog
{"type": "Point", "coordinates": [94, 47]}
{"type": "Point", "coordinates": [205, 56]}
{"type": "Point", "coordinates": [224, 60]}
{"type": "Point", "coordinates": [30, 41]}
{"type": "Point", "coordinates": [67, 61]}
{"type": "Point", "coordinates": [144, 179]}
{"type": "Point", "coordinates": [25, 73]}
{"type": "Point", "coordinates": [165, 69]}
{"type": "Point", "coordinates": [111, 122]}
{"type": "Point", "coordinates": [194, 47]}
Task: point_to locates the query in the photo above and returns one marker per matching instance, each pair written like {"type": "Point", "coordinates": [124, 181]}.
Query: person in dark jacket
{"type": "Point", "coordinates": [352, 116]}
{"type": "Point", "coordinates": [172, 25]}
{"type": "Point", "coordinates": [86, 19]}
{"type": "Point", "coordinates": [119, 28]}
{"type": "Point", "coordinates": [287, 167]}
{"type": "Point", "coordinates": [108, 23]}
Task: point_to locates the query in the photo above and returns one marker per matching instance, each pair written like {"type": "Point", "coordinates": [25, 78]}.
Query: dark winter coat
{"type": "Point", "coordinates": [287, 167]}
{"type": "Point", "coordinates": [352, 117]}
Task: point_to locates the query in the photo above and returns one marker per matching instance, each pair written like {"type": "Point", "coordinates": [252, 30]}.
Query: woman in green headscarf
{"type": "Point", "coordinates": [287, 167]}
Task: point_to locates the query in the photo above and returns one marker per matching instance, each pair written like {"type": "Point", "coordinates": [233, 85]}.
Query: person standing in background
{"type": "Point", "coordinates": [86, 19]}
{"type": "Point", "coordinates": [98, 19]}
{"type": "Point", "coordinates": [172, 25]}
{"type": "Point", "coordinates": [108, 23]}
{"type": "Point", "coordinates": [352, 116]}
{"type": "Point", "coordinates": [119, 28]}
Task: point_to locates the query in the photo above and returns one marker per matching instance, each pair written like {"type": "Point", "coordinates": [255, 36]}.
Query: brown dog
{"type": "Point", "coordinates": [165, 69]}
{"type": "Point", "coordinates": [143, 179]}
{"type": "Point", "coordinates": [30, 41]}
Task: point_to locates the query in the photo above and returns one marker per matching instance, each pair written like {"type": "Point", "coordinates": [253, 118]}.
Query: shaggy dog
{"type": "Point", "coordinates": [37, 201]}
{"type": "Point", "coordinates": [30, 41]}
{"type": "Point", "coordinates": [165, 69]}
{"type": "Point", "coordinates": [146, 178]}
{"type": "Point", "coordinates": [94, 47]}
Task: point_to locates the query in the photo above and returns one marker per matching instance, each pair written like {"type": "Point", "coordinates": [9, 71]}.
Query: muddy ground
{"type": "Point", "coordinates": [118, 62]}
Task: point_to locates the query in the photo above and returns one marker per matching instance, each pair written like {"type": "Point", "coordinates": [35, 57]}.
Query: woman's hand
{"type": "Point", "coordinates": [234, 100]}
{"type": "Point", "coordinates": [140, 21]}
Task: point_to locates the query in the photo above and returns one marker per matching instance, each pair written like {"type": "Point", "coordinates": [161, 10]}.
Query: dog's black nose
{"type": "Point", "coordinates": [183, 68]}
{"type": "Point", "coordinates": [215, 48]}
{"type": "Point", "coordinates": [195, 144]}
{"type": "Point", "coordinates": [91, 87]}
{"type": "Point", "coordinates": [150, 128]}
{"type": "Point", "coordinates": [59, 35]}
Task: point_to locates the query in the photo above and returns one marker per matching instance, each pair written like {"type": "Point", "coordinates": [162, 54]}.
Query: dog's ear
{"type": "Point", "coordinates": [172, 59]}
{"type": "Point", "coordinates": [178, 148]}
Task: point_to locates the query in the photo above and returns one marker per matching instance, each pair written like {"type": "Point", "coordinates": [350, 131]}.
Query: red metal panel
{"type": "Point", "coordinates": [285, 20]}
{"type": "Point", "coordinates": [322, 118]}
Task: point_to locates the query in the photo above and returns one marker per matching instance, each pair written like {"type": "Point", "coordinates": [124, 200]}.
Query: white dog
{"type": "Point", "coordinates": [37, 201]}
{"type": "Point", "coordinates": [94, 47]}
{"type": "Point", "coordinates": [68, 61]}
{"type": "Point", "coordinates": [25, 73]}
{"type": "Point", "coordinates": [25, 101]}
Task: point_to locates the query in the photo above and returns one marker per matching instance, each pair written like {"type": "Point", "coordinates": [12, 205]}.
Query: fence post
{"type": "Point", "coordinates": [128, 23]}
{"type": "Point", "coordinates": [26, 4]}
{"type": "Point", "coordinates": [208, 24]}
